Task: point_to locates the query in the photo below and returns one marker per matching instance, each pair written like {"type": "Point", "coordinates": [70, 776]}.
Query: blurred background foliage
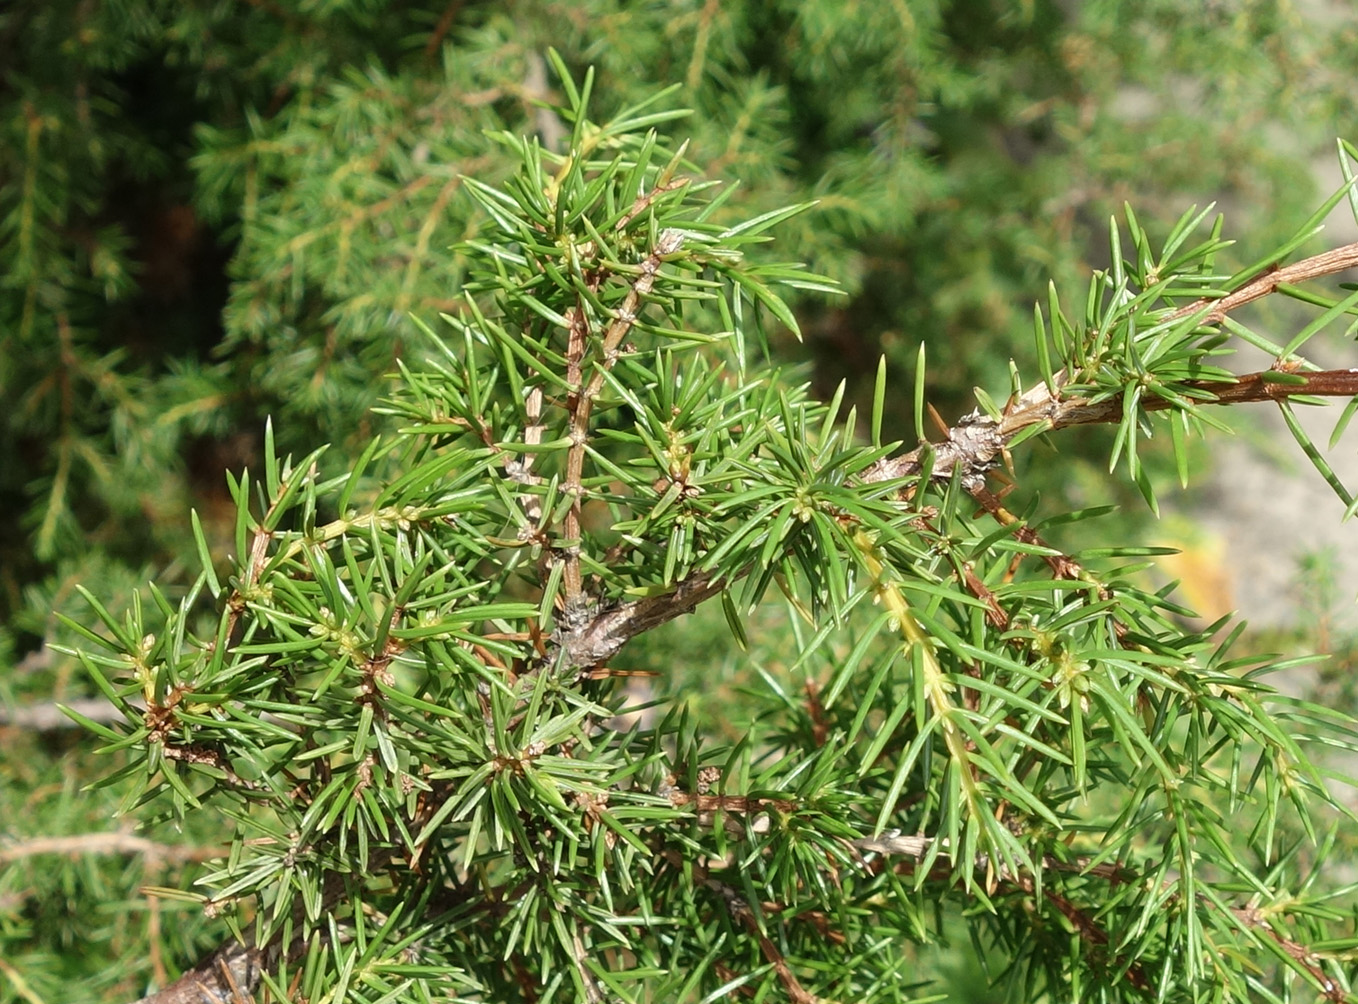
{"type": "Point", "coordinates": [213, 212]}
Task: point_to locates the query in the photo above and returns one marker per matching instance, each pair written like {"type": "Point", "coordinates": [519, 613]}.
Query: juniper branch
{"type": "Point", "coordinates": [582, 399]}
{"type": "Point", "coordinates": [1326, 263]}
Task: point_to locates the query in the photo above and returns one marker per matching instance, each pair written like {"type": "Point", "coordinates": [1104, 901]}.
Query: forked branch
{"type": "Point", "coordinates": [977, 443]}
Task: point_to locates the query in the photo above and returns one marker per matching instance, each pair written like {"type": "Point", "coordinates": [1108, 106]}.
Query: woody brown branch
{"type": "Point", "coordinates": [644, 200]}
{"type": "Point", "coordinates": [975, 444]}
{"type": "Point", "coordinates": [740, 910]}
{"type": "Point", "coordinates": [1255, 919]}
{"type": "Point", "coordinates": [103, 844]}
{"type": "Point", "coordinates": [581, 403]}
{"type": "Point", "coordinates": [604, 634]}
{"type": "Point", "coordinates": [228, 976]}
{"type": "Point", "coordinates": [1317, 266]}
{"type": "Point", "coordinates": [235, 604]}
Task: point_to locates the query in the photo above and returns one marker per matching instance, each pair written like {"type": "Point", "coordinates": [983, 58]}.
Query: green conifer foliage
{"type": "Point", "coordinates": [408, 700]}
{"type": "Point", "coordinates": [214, 215]}
{"type": "Point", "coordinates": [959, 156]}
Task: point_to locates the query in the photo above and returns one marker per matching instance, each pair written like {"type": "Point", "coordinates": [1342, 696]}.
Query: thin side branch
{"type": "Point", "coordinates": [740, 910]}
{"type": "Point", "coordinates": [592, 993]}
{"type": "Point", "coordinates": [1257, 920]}
{"type": "Point", "coordinates": [582, 400]}
{"type": "Point", "coordinates": [105, 843]}
{"type": "Point", "coordinates": [976, 442]}
{"type": "Point", "coordinates": [1327, 263]}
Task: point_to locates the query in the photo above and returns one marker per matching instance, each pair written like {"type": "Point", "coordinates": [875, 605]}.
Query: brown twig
{"type": "Point", "coordinates": [105, 843]}
{"type": "Point", "coordinates": [235, 604]}
{"type": "Point", "coordinates": [994, 612]}
{"type": "Point", "coordinates": [600, 637]}
{"type": "Point", "coordinates": [1327, 263]}
{"type": "Point", "coordinates": [740, 910]}
{"type": "Point", "coordinates": [1255, 919]}
{"type": "Point", "coordinates": [582, 399]}
{"type": "Point", "coordinates": [1062, 567]}
{"type": "Point", "coordinates": [1089, 930]}
{"type": "Point", "coordinates": [441, 29]}
{"type": "Point", "coordinates": [1251, 388]}
{"type": "Point", "coordinates": [579, 953]}
{"type": "Point", "coordinates": [815, 711]}
{"type": "Point", "coordinates": [644, 200]}
{"type": "Point", "coordinates": [577, 343]}
{"type": "Point", "coordinates": [206, 757]}
{"type": "Point", "coordinates": [977, 442]}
